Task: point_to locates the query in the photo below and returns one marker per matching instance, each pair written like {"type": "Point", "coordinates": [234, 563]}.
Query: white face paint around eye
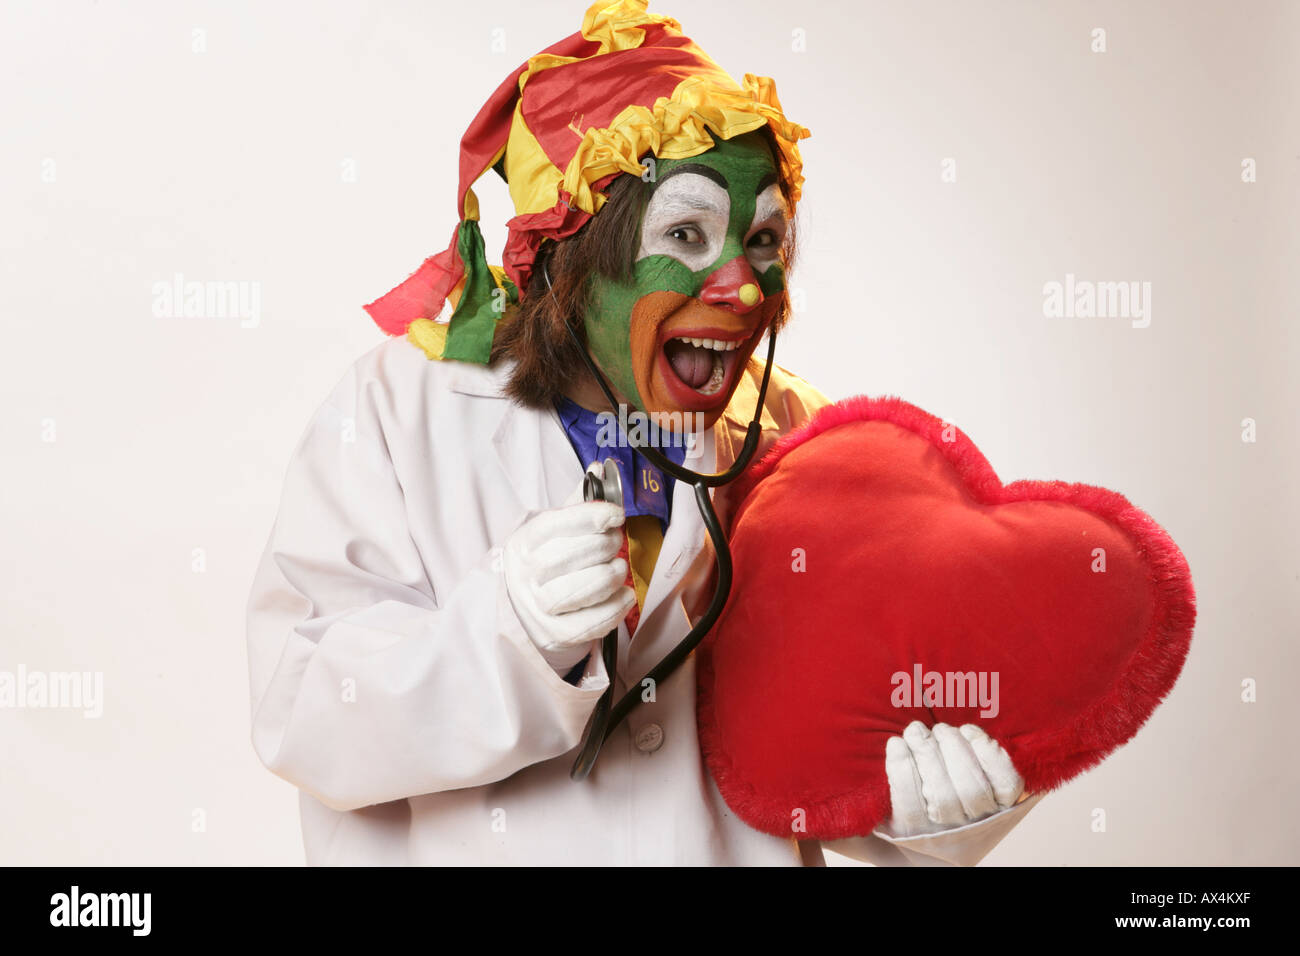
{"type": "Point", "coordinates": [686, 218]}
{"type": "Point", "coordinates": [765, 236]}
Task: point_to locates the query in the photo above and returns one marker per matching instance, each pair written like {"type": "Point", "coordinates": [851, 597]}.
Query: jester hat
{"type": "Point", "coordinates": [559, 130]}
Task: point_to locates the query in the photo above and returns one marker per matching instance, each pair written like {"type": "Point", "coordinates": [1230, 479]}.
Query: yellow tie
{"type": "Point", "coordinates": [644, 539]}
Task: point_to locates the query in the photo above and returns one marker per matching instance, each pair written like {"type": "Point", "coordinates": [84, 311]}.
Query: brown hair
{"type": "Point", "coordinates": [533, 334]}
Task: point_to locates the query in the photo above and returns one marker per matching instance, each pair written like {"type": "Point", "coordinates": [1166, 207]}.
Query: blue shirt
{"type": "Point", "coordinates": [596, 436]}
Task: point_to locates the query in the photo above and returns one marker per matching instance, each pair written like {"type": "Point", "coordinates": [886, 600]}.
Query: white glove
{"type": "Point", "coordinates": [946, 778]}
{"type": "Point", "coordinates": [565, 581]}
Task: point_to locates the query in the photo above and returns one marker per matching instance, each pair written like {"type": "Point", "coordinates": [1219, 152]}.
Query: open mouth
{"type": "Point", "coordinates": [703, 365]}
{"type": "Point", "coordinates": [689, 355]}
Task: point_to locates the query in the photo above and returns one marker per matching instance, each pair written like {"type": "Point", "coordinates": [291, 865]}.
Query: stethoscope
{"type": "Point", "coordinates": [601, 483]}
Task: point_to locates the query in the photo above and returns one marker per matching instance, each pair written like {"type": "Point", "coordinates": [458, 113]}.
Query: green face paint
{"type": "Point", "coordinates": [711, 232]}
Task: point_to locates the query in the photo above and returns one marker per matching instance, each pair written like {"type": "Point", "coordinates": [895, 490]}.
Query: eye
{"type": "Point", "coordinates": [683, 234]}
{"type": "Point", "coordinates": [766, 239]}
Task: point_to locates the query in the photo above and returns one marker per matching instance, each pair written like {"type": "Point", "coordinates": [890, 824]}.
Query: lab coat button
{"type": "Point", "coordinates": [649, 738]}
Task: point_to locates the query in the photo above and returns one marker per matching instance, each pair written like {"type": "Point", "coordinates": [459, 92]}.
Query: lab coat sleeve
{"type": "Point", "coordinates": [368, 684]}
{"type": "Point", "coordinates": [959, 846]}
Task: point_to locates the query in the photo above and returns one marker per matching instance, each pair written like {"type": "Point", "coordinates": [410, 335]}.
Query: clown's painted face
{"type": "Point", "coordinates": [707, 282]}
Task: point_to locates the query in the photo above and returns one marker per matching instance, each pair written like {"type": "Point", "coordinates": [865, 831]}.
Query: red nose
{"type": "Point", "coordinates": [722, 288]}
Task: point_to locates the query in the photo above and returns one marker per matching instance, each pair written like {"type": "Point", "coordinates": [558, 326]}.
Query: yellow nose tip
{"type": "Point", "coordinates": [749, 293]}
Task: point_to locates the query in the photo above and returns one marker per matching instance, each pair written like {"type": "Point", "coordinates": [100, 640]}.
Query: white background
{"type": "Point", "coordinates": [172, 434]}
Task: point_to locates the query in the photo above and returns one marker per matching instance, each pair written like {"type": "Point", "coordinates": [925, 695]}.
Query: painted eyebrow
{"type": "Point", "coordinates": [777, 208]}
{"type": "Point", "coordinates": [686, 201]}
{"type": "Point", "coordinates": [763, 183]}
{"type": "Point", "coordinates": [708, 172]}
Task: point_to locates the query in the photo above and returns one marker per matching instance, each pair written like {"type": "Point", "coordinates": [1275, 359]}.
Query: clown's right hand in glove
{"type": "Point", "coordinates": [565, 580]}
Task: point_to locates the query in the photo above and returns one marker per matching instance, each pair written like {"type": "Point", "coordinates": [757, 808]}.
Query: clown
{"type": "Point", "coordinates": [425, 628]}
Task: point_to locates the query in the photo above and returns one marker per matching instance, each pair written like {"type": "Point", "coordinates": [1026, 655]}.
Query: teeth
{"type": "Point", "coordinates": [717, 345]}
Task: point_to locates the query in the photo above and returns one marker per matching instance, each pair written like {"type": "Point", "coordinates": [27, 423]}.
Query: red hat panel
{"type": "Point", "coordinates": [594, 91]}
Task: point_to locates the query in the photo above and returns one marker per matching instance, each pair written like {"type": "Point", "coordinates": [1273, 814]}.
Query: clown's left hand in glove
{"type": "Point", "coordinates": [565, 579]}
{"type": "Point", "coordinates": [954, 794]}
{"type": "Point", "coordinates": [946, 778]}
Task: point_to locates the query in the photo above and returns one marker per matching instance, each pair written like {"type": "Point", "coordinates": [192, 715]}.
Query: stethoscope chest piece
{"type": "Point", "coordinates": [603, 483]}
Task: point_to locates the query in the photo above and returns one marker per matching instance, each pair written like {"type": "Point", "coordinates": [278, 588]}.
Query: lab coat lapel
{"type": "Point", "coordinates": [529, 443]}
{"type": "Point", "coordinates": [536, 456]}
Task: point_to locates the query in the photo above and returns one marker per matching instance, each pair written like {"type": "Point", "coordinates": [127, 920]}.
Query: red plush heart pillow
{"type": "Point", "coordinates": [883, 574]}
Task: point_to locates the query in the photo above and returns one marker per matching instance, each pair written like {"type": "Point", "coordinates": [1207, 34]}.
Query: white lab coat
{"type": "Point", "coordinates": [394, 686]}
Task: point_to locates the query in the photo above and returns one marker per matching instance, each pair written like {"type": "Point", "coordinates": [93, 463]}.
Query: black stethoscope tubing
{"type": "Point", "coordinates": [604, 718]}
